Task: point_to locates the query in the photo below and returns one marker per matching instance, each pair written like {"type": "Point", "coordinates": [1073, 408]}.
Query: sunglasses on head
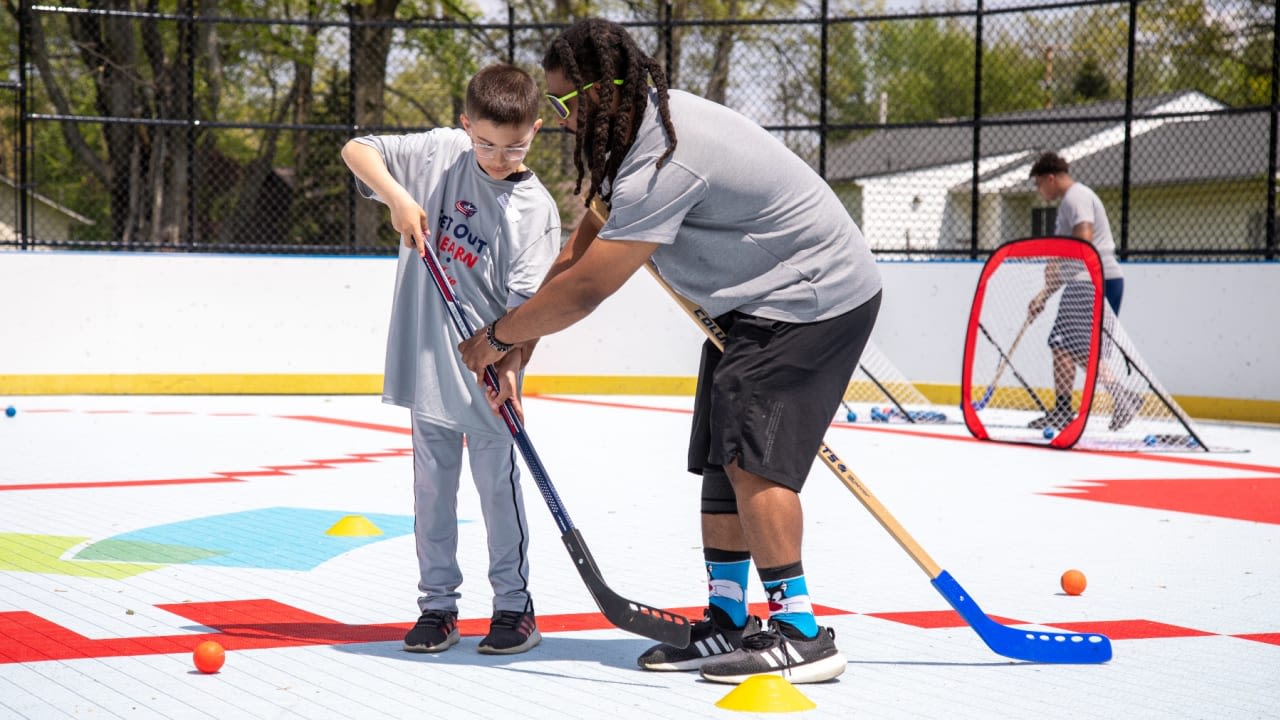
{"type": "Point", "coordinates": [558, 103]}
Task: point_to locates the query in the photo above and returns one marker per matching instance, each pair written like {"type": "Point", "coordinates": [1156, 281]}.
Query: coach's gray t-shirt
{"type": "Point", "coordinates": [743, 222]}
{"type": "Point", "coordinates": [1080, 204]}
{"type": "Point", "coordinates": [495, 240]}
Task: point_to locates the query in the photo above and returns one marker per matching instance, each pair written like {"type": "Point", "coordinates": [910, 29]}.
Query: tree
{"type": "Point", "coordinates": [1091, 83]}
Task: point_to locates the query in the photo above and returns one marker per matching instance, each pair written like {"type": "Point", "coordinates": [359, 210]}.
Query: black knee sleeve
{"type": "Point", "coordinates": [717, 493]}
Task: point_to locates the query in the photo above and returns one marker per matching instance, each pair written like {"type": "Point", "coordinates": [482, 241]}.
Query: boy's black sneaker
{"type": "Point", "coordinates": [435, 631]}
{"type": "Point", "coordinates": [711, 637]}
{"type": "Point", "coordinates": [510, 632]}
{"type": "Point", "coordinates": [781, 650]}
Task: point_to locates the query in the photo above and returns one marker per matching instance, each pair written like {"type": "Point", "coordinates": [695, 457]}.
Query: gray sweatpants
{"type": "Point", "coordinates": [437, 469]}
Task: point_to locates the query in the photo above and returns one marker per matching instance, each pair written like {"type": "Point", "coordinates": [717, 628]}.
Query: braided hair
{"type": "Point", "coordinates": [599, 51]}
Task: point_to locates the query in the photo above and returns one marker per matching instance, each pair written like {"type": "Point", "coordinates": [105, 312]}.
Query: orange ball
{"type": "Point", "coordinates": [1073, 582]}
{"type": "Point", "coordinates": [209, 656]}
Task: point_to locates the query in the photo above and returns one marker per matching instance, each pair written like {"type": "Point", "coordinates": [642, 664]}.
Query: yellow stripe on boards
{"type": "Point", "coordinates": [1238, 409]}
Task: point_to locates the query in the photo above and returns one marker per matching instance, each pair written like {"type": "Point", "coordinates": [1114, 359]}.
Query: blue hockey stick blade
{"type": "Point", "coordinates": [1031, 645]}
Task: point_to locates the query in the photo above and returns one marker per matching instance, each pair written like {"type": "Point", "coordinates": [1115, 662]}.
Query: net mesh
{"type": "Point", "coordinates": [880, 392]}
{"type": "Point", "coordinates": [1035, 329]}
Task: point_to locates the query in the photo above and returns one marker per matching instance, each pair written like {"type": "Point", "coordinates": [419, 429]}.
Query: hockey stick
{"type": "Point", "coordinates": [651, 622]}
{"type": "Point", "coordinates": [905, 415]}
{"type": "Point", "coordinates": [1171, 407]}
{"type": "Point", "coordinates": [1034, 646]}
{"type": "Point", "coordinates": [1006, 361]}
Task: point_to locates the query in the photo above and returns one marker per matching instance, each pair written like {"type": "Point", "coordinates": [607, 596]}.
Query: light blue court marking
{"type": "Point", "coordinates": [279, 538]}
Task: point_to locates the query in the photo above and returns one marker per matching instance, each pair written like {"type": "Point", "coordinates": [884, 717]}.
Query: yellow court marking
{"type": "Point", "coordinates": [43, 554]}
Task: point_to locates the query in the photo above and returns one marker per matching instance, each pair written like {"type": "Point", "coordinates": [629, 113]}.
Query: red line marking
{"type": "Point", "coordinates": [1131, 629]}
{"type": "Point", "coordinates": [253, 473]}
{"type": "Point", "coordinates": [264, 623]}
{"type": "Point", "coordinates": [1269, 638]}
{"type": "Point", "coordinates": [117, 483]}
{"type": "Point", "coordinates": [599, 403]}
{"type": "Point", "coordinates": [1253, 499]}
{"type": "Point", "coordinates": [350, 423]}
{"type": "Point", "coordinates": [250, 624]}
{"type": "Point", "coordinates": [1198, 460]}
{"type": "Point", "coordinates": [929, 619]}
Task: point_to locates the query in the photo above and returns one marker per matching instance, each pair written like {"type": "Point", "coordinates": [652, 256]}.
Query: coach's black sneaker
{"type": "Point", "coordinates": [711, 637]}
{"type": "Point", "coordinates": [781, 650]}
{"type": "Point", "coordinates": [1057, 418]}
{"type": "Point", "coordinates": [435, 631]}
{"type": "Point", "coordinates": [510, 632]}
{"type": "Point", "coordinates": [1125, 405]}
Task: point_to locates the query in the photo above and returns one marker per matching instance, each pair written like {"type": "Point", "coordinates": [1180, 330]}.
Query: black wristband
{"type": "Point", "coordinates": [494, 342]}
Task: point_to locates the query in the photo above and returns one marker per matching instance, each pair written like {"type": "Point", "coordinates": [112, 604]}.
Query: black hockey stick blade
{"type": "Point", "coordinates": [651, 622]}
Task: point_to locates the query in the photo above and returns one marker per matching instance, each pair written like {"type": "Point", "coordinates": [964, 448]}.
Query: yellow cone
{"type": "Point", "coordinates": [765, 693]}
{"type": "Point", "coordinates": [354, 526]}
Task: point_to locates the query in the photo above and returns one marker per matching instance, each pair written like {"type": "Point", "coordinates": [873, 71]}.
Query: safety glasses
{"type": "Point", "coordinates": [558, 103]}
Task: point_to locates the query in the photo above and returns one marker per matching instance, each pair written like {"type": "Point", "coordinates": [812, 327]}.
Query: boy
{"type": "Point", "coordinates": [495, 230]}
{"type": "Point", "coordinates": [739, 224]}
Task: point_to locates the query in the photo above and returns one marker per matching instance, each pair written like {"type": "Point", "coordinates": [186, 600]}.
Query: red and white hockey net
{"type": "Point", "coordinates": [1008, 384]}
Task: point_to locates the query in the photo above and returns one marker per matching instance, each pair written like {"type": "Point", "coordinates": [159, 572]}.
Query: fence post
{"type": "Point", "coordinates": [352, 62]}
{"type": "Point", "coordinates": [822, 94]}
{"type": "Point", "coordinates": [192, 121]}
{"type": "Point", "coordinates": [511, 34]}
{"type": "Point", "coordinates": [1127, 151]}
{"type": "Point", "coordinates": [1271, 239]}
{"type": "Point", "coordinates": [24, 172]}
{"type": "Point", "coordinates": [668, 29]}
{"type": "Point", "coordinates": [975, 199]}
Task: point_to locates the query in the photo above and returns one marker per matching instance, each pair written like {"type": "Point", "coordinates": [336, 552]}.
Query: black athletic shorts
{"type": "Point", "coordinates": [1073, 328]}
{"type": "Point", "coordinates": [768, 399]}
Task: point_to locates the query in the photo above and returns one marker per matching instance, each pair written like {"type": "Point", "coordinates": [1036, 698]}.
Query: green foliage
{"type": "Point", "coordinates": [1091, 83]}
{"type": "Point", "coordinates": [268, 74]}
{"type": "Point", "coordinates": [925, 66]}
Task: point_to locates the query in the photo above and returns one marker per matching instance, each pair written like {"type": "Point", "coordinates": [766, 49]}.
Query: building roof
{"type": "Point", "coordinates": [4, 180]}
{"type": "Point", "coordinates": [1220, 147]}
{"type": "Point", "coordinates": [897, 150]}
{"type": "Point", "coordinates": [1204, 149]}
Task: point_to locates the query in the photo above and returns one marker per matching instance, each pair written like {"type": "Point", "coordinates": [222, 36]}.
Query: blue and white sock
{"type": "Point", "coordinates": [727, 576]}
{"type": "Point", "coordinates": [788, 596]}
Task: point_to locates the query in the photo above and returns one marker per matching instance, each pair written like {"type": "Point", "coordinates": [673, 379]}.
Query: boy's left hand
{"type": "Point", "coordinates": [508, 369]}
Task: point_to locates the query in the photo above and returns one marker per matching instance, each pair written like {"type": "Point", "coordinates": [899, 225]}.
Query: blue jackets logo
{"type": "Point", "coordinates": [466, 208]}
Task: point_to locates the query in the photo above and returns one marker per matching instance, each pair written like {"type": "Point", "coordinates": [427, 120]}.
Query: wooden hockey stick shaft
{"type": "Point", "coordinates": [828, 456]}
{"type": "Point", "coordinates": [1050, 647]}
{"type": "Point", "coordinates": [1005, 360]}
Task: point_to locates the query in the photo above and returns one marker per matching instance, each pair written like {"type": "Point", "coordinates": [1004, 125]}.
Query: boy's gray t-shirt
{"type": "Point", "coordinates": [495, 240]}
{"type": "Point", "coordinates": [1080, 204]}
{"type": "Point", "coordinates": [743, 222]}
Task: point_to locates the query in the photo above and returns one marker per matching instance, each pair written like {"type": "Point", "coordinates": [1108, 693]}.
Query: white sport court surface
{"type": "Point", "coordinates": [131, 528]}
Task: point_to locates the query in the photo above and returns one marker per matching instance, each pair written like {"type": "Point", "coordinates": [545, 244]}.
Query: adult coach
{"type": "Point", "coordinates": [736, 222]}
{"type": "Point", "coordinates": [1080, 215]}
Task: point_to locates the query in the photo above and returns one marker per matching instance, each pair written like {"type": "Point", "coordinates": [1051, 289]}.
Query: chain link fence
{"type": "Point", "coordinates": [177, 129]}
